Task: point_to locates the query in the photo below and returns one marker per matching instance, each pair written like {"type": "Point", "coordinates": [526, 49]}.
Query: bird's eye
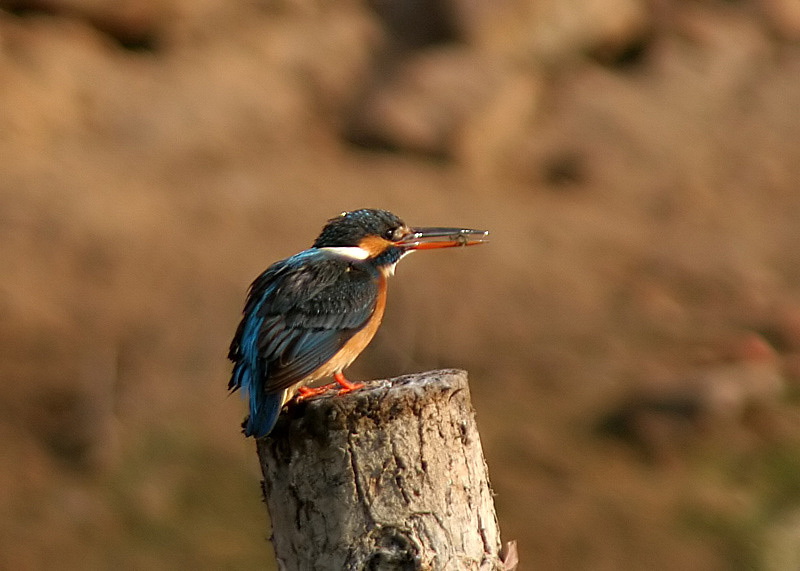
{"type": "Point", "coordinates": [394, 234]}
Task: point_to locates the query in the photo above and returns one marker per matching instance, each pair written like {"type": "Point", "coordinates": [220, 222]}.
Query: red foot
{"type": "Point", "coordinates": [341, 383]}
{"type": "Point", "coordinates": [304, 393]}
{"type": "Point", "coordinates": [346, 385]}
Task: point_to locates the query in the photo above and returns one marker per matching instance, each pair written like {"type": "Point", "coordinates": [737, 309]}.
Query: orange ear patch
{"type": "Point", "coordinates": [375, 245]}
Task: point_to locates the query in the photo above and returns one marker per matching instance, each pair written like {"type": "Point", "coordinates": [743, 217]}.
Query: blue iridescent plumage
{"type": "Point", "coordinates": [249, 373]}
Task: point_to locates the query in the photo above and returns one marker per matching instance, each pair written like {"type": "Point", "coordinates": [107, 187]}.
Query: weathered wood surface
{"type": "Point", "coordinates": [391, 476]}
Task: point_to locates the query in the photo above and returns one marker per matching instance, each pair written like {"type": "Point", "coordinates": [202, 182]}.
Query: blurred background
{"type": "Point", "coordinates": [632, 333]}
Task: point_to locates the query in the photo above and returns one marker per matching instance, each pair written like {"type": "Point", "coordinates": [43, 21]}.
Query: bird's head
{"type": "Point", "coordinates": [382, 238]}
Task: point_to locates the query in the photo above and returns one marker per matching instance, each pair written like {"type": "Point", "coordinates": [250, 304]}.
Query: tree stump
{"type": "Point", "coordinates": [388, 477]}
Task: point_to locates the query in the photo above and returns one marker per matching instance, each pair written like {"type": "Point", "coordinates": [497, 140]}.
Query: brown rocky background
{"type": "Point", "coordinates": [632, 333]}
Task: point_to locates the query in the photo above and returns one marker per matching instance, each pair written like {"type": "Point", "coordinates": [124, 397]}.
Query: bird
{"type": "Point", "coordinates": [309, 316]}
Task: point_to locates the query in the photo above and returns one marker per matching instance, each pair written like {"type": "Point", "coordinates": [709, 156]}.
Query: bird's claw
{"type": "Point", "coordinates": [346, 386]}
{"type": "Point", "coordinates": [350, 388]}
{"type": "Point", "coordinates": [341, 383]}
{"type": "Point", "coordinates": [305, 393]}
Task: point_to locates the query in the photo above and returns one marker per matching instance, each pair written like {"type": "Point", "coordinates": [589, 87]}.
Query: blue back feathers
{"type": "Point", "coordinates": [249, 371]}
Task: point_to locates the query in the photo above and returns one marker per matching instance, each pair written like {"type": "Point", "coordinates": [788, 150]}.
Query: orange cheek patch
{"type": "Point", "coordinates": [374, 245]}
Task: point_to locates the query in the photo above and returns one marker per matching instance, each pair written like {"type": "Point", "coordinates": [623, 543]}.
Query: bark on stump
{"type": "Point", "coordinates": [388, 477]}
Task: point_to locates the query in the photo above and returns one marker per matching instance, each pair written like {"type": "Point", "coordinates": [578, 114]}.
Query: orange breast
{"type": "Point", "coordinates": [358, 342]}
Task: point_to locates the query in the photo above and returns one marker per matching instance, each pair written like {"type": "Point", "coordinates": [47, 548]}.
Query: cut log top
{"type": "Point", "coordinates": [378, 403]}
{"type": "Point", "coordinates": [390, 476]}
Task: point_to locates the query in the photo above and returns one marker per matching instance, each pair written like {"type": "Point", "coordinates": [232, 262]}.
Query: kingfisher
{"type": "Point", "coordinates": [309, 316]}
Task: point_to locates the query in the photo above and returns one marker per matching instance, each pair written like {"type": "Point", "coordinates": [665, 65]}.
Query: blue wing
{"type": "Point", "coordinates": [299, 313]}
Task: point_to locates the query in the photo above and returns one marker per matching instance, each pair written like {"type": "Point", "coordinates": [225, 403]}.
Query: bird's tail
{"type": "Point", "coordinates": [264, 406]}
{"type": "Point", "coordinates": [264, 411]}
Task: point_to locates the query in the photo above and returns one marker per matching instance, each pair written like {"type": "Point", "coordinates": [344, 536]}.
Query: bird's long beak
{"type": "Point", "coordinates": [430, 238]}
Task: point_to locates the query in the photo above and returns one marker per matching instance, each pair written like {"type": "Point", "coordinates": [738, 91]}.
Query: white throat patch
{"type": "Point", "coordinates": [389, 270]}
